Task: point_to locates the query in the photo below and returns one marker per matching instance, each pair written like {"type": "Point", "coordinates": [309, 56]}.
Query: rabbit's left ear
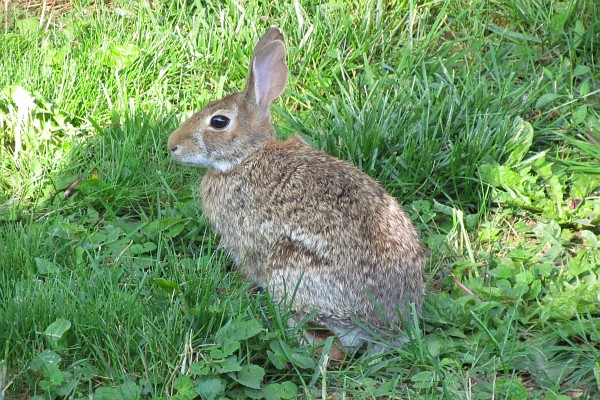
{"type": "Point", "coordinates": [268, 71]}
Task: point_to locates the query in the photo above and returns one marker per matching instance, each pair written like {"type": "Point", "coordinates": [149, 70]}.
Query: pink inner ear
{"type": "Point", "coordinates": [270, 73]}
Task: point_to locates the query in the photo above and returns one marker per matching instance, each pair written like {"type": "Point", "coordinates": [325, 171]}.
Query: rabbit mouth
{"type": "Point", "coordinates": [206, 162]}
{"type": "Point", "coordinates": [193, 160]}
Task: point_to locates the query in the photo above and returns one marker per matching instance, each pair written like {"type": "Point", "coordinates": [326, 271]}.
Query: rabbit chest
{"type": "Point", "coordinates": [238, 212]}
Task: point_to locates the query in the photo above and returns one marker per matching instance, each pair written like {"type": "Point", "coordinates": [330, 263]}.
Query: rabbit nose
{"type": "Point", "coordinates": [173, 148]}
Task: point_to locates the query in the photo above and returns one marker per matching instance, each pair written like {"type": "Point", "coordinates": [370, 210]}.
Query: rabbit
{"type": "Point", "coordinates": [324, 238]}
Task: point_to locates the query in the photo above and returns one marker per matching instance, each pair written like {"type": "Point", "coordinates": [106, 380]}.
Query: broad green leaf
{"type": "Point", "coordinates": [96, 239]}
{"type": "Point", "coordinates": [545, 269]}
{"type": "Point", "coordinates": [146, 247]}
{"type": "Point", "coordinates": [199, 368]}
{"type": "Point", "coordinates": [125, 391]}
{"type": "Point", "coordinates": [273, 391]}
{"type": "Point", "coordinates": [546, 99]}
{"type": "Point", "coordinates": [166, 285]}
{"type": "Point", "coordinates": [251, 376]}
{"type": "Point", "coordinates": [519, 290]}
{"type": "Point", "coordinates": [435, 343]}
{"type": "Point", "coordinates": [95, 186]}
{"type": "Point", "coordinates": [168, 227]}
{"type": "Point", "coordinates": [579, 30]}
{"type": "Point", "coordinates": [183, 383]}
{"type": "Point", "coordinates": [488, 232]}
{"type": "Point", "coordinates": [288, 390]}
{"type": "Point", "coordinates": [582, 185]}
{"type": "Point", "coordinates": [534, 289]}
{"type": "Point", "coordinates": [581, 70]}
{"type": "Point", "coordinates": [555, 191]}
{"type": "Point", "coordinates": [446, 361]}
{"type": "Point", "coordinates": [129, 391]}
{"type": "Point", "coordinates": [186, 388]}
{"type": "Point", "coordinates": [225, 349]}
{"type": "Point", "coordinates": [584, 88]}
{"type": "Point", "coordinates": [55, 333]}
{"type": "Point", "coordinates": [455, 332]}
{"type": "Point", "coordinates": [564, 304]}
{"type": "Point", "coordinates": [302, 361]}
{"type": "Point", "coordinates": [46, 267]}
{"type": "Point", "coordinates": [333, 53]}
{"type": "Point", "coordinates": [548, 233]}
{"type": "Point", "coordinates": [520, 141]}
{"type": "Point", "coordinates": [55, 378]}
{"type": "Point", "coordinates": [543, 167]}
{"type": "Point", "coordinates": [439, 307]}
{"type": "Point", "coordinates": [582, 262]}
{"type": "Point", "coordinates": [276, 359]}
{"type": "Point", "coordinates": [27, 26]}
{"type": "Point", "coordinates": [503, 177]}
{"type": "Point", "coordinates": [557, 22]}
{"type": "Point", "coordinates": [589, 238]}
{"type": "Point", "coordinates": [56, 56]}
{"type": "Point", "coordinates": [47, 360]}
{"type": "Point", "coordinates": [511, 389]}
{"type": "Point", "coordinates": [209, 388]}
{"type": "Point", "coordinates": [510, 179]}
{"type": "Point", "coordinates": [503, 272]}
{"type": "Point", "coordinates": [525, 277]}
{"type": "Point", "coordinates": [579, 115]}
{"type": "Point", "coordinates": [548, 364]}
{"type": "Point", "coordinates": [277, 354]}
{"type": "Point", "coordinates": [239, 330]}
{"type": "Point", "coordinates": [230, 364]}
{"type": "Point", "coordinates": [121, 56]}
{"type": "Point", "coordinates": [423, 380]}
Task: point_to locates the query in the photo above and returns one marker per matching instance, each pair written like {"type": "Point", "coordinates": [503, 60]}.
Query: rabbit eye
{"type": "Point", "coordinates": [219, 122]}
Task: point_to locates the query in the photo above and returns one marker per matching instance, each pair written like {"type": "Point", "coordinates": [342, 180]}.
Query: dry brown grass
{"type": "Point", "coordinates": [35, 7]}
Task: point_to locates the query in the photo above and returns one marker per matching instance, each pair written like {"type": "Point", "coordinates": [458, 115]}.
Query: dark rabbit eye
{"type": "Point", "coordinates": [219, 122]}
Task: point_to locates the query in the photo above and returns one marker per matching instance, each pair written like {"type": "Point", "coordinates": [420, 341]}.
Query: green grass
{"type": "Point", "coordinates": [481, 117]}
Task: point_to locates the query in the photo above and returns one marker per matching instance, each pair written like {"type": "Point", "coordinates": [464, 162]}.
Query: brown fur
{"type": "Point", "coordinates": [317, 232]}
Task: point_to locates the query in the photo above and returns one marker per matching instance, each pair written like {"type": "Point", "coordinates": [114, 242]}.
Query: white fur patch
{"type": "Point", "coordinates": [313, 242]}
{"type": "Point", "coordinates": [225, 166]}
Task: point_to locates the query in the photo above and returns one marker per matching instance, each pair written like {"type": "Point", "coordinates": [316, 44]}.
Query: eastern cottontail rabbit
{"type": "Point", "coordinates": [318, 233]}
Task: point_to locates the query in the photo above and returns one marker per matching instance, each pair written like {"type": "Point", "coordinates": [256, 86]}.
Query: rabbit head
{"type": "Point", "coordinates": [225, 132]}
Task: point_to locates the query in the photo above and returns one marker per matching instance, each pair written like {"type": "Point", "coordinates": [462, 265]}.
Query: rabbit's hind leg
{"type": "Point", "coordinates": [358, 341]}
{"type": "Point", "coordinates": [352, 340]}
{"type": "Point", "coordinates": [317, 336]}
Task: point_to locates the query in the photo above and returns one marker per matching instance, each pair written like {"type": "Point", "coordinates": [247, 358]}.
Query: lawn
{"type": "Point", "coordinates": [481, 117]}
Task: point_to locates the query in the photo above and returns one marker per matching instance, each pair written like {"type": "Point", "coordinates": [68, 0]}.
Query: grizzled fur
{"type": "Point", "coordinates": [317, 232]}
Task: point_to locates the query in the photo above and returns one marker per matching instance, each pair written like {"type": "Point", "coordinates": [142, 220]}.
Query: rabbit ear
{"type": "Point", "coordinates": [274, 33]}
{"type": "Point", "coordinates": [268, 70]}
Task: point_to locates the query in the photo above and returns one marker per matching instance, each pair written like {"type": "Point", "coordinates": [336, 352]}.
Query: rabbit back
{"type": "Point", "coordinates": [301, 222]}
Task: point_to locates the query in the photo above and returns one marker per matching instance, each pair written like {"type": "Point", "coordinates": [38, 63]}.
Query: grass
{"type": "Point", "coordinates": [482, 118]}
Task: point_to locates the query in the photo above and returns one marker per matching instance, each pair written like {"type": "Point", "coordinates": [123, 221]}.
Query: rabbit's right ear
{"type": "Point", "coordinates": [268, 71]}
